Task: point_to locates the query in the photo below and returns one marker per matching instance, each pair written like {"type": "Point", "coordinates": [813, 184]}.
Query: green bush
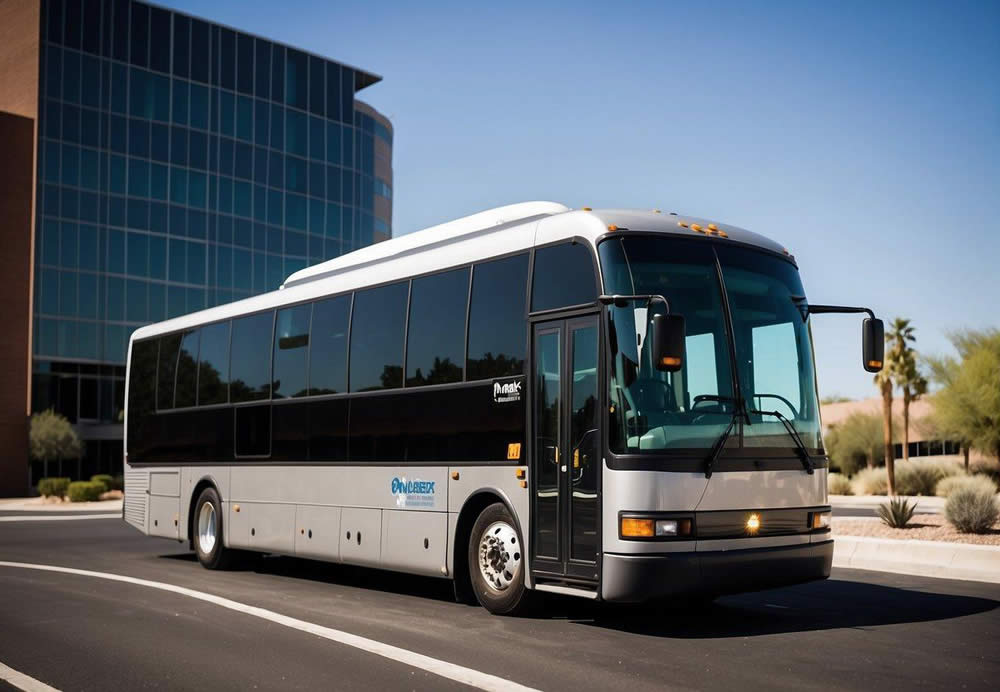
{"type": "Point", "coordinates": [921, 476]}
{"type": "Point", "coordinates": [870, 482]}
{"type": "Point", "coordinates": [53, 487]}
{"type": "Point", "coordinates": [896, 512]}
{"type": "Point", "coordinates": [104, 479]}
{"type": "Point", "coordinates": [972, 510]}
{"type": "Point", "coordinates": [117, 482]}
{"type": "Point", "coordinates": [838, 484]}
{"type": "Point", "coordinates": [85, 491]}
{"type": "Point", "coordinates": [946, 486]}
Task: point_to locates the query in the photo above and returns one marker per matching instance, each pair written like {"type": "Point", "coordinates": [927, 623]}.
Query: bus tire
{"type": "Point", "coordinates": [207, 528]}
{"type": "Point", "coordinates": [497, 562]}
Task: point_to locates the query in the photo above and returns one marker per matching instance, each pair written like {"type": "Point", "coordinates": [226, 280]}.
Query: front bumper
{"type": "Point", "coordinates": [635, 578]}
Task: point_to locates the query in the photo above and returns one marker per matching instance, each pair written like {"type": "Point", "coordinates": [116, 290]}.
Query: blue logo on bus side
{"type": "Point", "coordinates": [401, 486]}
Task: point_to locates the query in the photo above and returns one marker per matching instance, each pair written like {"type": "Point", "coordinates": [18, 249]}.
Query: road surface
{"type": "Point", "coordinates": [858, 630]}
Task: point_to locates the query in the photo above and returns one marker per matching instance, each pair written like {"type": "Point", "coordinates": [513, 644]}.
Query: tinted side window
{"type": "Point", "coordinates": [377, 338]}
{"type": "Point", "coordinates": [496, 318]}
{"type": "Point", "coordinates": [328, 346]}
{"type": "Point", "coordinates": [291, 348]}
{"type": "Point", "coordinates": [213, 365]}
{"type": "Point", "coordinates": [435, 345]}
{"type": "Point", "coordinates": [250, 363]}
{"type": "Point", "coordinates": [563, 276]}
{"type": "Point", "coordinates": [187, 370]}
{"type": "Point", "coordinates": [166, 370]}
{"type": "Point", "coordinates": [141, 392]}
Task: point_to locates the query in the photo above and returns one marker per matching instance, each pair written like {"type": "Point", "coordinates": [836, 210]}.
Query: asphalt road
{"type": "Point", "coordinates": [858, 630]}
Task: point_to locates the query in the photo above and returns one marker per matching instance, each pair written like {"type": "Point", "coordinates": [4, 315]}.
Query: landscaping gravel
{"type": "Point", "coordinates": [922, 527]}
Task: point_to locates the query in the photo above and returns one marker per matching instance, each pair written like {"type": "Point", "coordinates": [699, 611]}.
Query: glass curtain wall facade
{"type": "Point", "coordinates": [181, 165]}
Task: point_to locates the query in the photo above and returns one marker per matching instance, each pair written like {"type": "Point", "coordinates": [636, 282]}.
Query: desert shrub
{"type": "Point", "coordinates": [896, 512]}
{"type": "Point", "coordinates": [85, 491]}
{"type": "Point", "coordinates": [946, 486]}
{"type": "Point", "coordinates": [870, 482]}
{"type": "Point", "coordinates": [104, 479]}
{"type": "Point", "coordinates": [838, 484]}
{"type": "Point", "coordinates": [53, 487]}
{"type": "Point", "coordinates": [921, 476]}
{"type": "Point", "coordinates": [972, 510]}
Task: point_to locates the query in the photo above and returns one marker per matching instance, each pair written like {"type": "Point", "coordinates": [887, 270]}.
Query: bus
{"type": "Point", "coordinates": [617, 405]}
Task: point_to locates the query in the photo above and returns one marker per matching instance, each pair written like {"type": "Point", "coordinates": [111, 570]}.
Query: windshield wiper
{"type": "Point", "coordinates": [807, 461]}
{"type": "Point", "coordinates": [740, 409]}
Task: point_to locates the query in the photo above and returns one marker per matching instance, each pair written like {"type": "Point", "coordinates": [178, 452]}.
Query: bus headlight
{"type": "Point", "coordinates": [651, 527]}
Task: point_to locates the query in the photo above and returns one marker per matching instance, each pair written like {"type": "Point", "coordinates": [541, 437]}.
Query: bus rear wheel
{"type": "Point", "coordinates": [497, 562]}
{"type": "Point", "coordinates": [207, 528]}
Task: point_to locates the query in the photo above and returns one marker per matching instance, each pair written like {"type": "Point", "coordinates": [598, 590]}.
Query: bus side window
{"type": "Point", "coordinates": [187, 370]}
{"type": "Point", "coordinates": [497, 319]}
{"type": "Point", "coordinates": [435, 349]}
{"type": "Point", "coordinates": [166, 371]}
{"type": "Point", "coordinates": [250, 358]}
{"type": "Point", "coordinates": [328, 346]}
{"type": "Point", "coordinates": [563, 276]}
{"type": "Point", "coordinates": [377, 330]}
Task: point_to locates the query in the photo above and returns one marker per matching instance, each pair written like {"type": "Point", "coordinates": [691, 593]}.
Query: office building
{"type": "Point", "coordinates": [158, 164]}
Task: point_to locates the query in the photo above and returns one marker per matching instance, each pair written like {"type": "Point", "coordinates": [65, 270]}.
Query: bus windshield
{"type": "Point", "coordinates": [767, 359]}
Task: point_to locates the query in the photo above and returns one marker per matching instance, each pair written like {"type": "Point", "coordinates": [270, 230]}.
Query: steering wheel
{"type": "Point", "coordinates": [724, 402]}
{"type": "Point", "coordinates": [641, 386]}
{"type": "Point", "coordinates": [786, 402]}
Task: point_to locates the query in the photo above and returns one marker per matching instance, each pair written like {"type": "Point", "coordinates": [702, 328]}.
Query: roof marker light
{"type": "Point", "coordinates": [723, 234]}
{"type": "Point", "coordinates": [587, 209]}
{"type": "Point", "coordinates": [656, 211]}
{"type": "Point", "coordinates": [695, 227]}
{"type": "Point", "coordinates": [712, 227]}
{"type": "Point", "coordinates": [612, 227]}
{"type": "Point", "coordinates": [683, 224]}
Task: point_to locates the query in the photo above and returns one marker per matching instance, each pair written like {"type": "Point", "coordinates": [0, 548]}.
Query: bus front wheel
{"type": "Point", "coordinates": [207, 527]}
{"type": "Point", "coordinates": [497, 562]}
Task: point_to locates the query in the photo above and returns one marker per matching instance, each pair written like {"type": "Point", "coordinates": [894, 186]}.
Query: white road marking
{"type": "Point", "coordinates": [36, 517]}
{"type": "Point", "coordinates": [22, 681]}
{"type": "Point", "coordinates": [452, 671]}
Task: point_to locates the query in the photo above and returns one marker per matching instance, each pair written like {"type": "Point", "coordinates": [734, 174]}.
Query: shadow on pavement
{"type": "Point", "coordinates": [343, 575]}
{"type": "Point", "coordinates": [827, 605]}
{"type": "Point", "coordinates": [824, 605]}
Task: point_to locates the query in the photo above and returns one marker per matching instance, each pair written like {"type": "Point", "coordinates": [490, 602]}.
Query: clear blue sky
{"type": "Point", "coordinates": [864, 136]}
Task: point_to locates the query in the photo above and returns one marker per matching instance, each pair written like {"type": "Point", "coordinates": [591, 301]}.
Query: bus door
{"type": "Point", "coordinates": [566, 449]}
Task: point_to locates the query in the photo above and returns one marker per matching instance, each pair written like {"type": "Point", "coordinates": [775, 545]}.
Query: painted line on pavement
{"type": "Point", "coordinates": [452, 671]}
{"type": "Point", "coordinates": [22, 681]}
{"type": "Point", "coordinates": [62, 518]}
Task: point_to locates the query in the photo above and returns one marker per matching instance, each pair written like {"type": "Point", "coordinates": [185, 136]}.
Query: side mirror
{"type": "Point", "coordinates": [668, 342]}
{"type": "Point", "coordinates": [872, 344]}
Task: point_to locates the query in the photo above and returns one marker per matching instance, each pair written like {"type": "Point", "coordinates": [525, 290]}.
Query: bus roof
{"type": "Point", "coordinates": [490, 233]}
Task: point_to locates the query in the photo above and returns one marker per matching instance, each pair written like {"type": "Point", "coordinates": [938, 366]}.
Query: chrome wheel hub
{"type": "Point", "coordinates": [206, 528]}
{"type": "Point", "coordinates": [499, 555]}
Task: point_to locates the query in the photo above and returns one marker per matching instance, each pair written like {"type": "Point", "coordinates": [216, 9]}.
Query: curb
{"type": "Point", "coordinates": [27, 505]}
{"type": "Point", "coordinates": [923, 558]}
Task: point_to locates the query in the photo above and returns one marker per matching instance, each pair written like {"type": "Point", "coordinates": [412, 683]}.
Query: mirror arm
{"type": "Point", "coordinates": [821, 309]}
{"type": "Point", "coordinates": [620, 300]}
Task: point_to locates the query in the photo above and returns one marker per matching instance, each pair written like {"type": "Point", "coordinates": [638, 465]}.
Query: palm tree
{"type": "Point", "coordinates": [913, 384]}
{"type": "Point", "coordinates": [883, 380]}
{"type": "Point", "coordinates": [900, 367]}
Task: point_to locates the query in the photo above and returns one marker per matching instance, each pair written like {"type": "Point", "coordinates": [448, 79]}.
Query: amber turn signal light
{"type": "Point", "coordinates": [637, 528]}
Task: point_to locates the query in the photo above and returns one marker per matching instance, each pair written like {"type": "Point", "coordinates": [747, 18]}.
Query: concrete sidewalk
{"type": "Point", "coordinates": [940, 559]}
{"type": "Point", "coordinates": [36, 504]}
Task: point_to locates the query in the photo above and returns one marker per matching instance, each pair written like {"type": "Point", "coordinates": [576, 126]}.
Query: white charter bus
{"type": "Point", "coordinates": [619, 405]}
